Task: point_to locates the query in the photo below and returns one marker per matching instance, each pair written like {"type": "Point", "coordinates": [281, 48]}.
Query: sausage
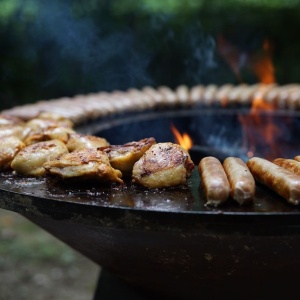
{"type": "Point", "coordinates": [214, 180]}
{"type": "Point", "coordinates": [282, 181]}
{"type": "Point", "coordinates": [196, 94]}
{"type": "Point", "coordinates": [168, 95]}
{"type": "Point", "coordinates": [241, 181]}
{"type": "Point", "coordinates": [209, 94]}
{"type": "Point", "coordinates": [182, 94]}
{"type": "Point", "coordinates": [289, 164]}
{"type": "Point", "coordinates": [297, 158]}
{"type": "Point", "coordinates": [222, 94]}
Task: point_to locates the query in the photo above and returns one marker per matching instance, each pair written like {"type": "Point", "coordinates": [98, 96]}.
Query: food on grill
{"type": "Point", "coordinates": [50, 115]}
{"type": "Point", "coordinates": [9, 147]}
{"type": "Point", "coordinates": [30, 160]}
{"type": "Point", "coordinates": [123, 157]}
{"type": "Point", "coordinates": [242, 183]}
{"type": "Point", "coordinates": [214, 181]}
{"type": "Point", "coordinates": [55, 133]}
{"type": "Point", "coordinates": [35, 128]}
{"type": "Point", "coordinates": [282, 181]}
{"type": "Point", "coordinates": [84, 107]}
{"type": "Point", "coordinates": [168, 95]}
{"type": "Point", "coordinates": [12, 130]}
{"type": "Point", "coordinates": [78, 141]}
{"type": "Point", "coordinates": [40, 124]}
{"type": "Point", "coordinates": [222, 94]}
{"type": "Point", "coordinates": [10, 120]}
{"type": "Point", "coordinates": [87, 164]}
{"type": "Point", "coordinates": [284, 94]}
{"type": "Point", "coordinates": [54, 120]}
{"type": "Point", "coordinates": [182, 94]}
{"type": "Point", "coordinates": [209, 94]}
{"type": "Point", "coordinates": [163, 165]}
{"type": "Point", "coordinates": [155, 97]}
{"type": "Point", "coordinates": [289, 164]}
{"type": "Point", "coordinates": [297, 158]}
{"type": "Point", "coordinates": [196, 94]}
{"type": "Point", "coordinates": [235, 94]}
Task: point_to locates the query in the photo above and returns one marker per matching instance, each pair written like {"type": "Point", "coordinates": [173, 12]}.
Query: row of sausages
{"type": "Point", "coordinates": [82, 108]}
{"type": "Point", "coordinates": [236, 179]}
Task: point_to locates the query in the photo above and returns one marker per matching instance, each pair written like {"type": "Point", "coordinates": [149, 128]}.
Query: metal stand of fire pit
{"type": "Point", "coordinates": [110, 288]}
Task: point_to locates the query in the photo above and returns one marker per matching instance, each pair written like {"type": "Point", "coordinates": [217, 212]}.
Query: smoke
{"type": "Point", "coordinates": [99, 58]}
{"type": "Point", "coordinates": [201, 60]}
{"type": "Point", "coordinates": [61, 48]}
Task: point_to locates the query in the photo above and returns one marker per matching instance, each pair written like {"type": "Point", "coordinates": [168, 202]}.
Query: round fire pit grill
{"type": "Point", "coordinates": [166, 242]}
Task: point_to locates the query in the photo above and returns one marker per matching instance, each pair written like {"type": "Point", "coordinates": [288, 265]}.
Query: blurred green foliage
{"type": "Point", "coordinates": [58, 48]}
{"type": "Point", "coordinates": [21, 240]}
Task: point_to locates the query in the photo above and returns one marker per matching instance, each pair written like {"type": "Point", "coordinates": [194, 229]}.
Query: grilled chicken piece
{"type": "Point", "coordinates": [84, 164]}
{"type": "Point", "coordinates": [55, 133]}
{"type": "Point", "coordinates": [37, 126]}
{"type": "Point", "coordinates": [55, 116]}
{"type": "Point", "coordinates": [163, 165]}
{"type": "Point", "coordinates": [123, 157]}
{"type": "Point", "coordinates": [80, 141]}
{"type": "Point", "coordinates": [7, 119]}
{"type": "Point", "coordinates": [12, 130]}
{"type": "Point", "coordinates": [30, 160]}
{"type": "Point", "coordinates": [43, 124]}
{"type": "Point", "coordinates": [9, 147]}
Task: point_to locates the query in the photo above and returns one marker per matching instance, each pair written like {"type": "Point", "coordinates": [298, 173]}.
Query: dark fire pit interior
{"type": "Point", "coordinates": [167, 242]}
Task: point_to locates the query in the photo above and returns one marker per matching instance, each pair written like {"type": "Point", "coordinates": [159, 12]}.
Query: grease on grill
{"type": "Point", "coordinates": [189, 198]}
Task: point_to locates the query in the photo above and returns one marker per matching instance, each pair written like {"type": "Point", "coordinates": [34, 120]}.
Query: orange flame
{"type": "Point", "coordinates": [261, 130]}
{"type": "Point", "coordinates": [183, 140]}
{"type": "Point", "coordinates": [264, 68]}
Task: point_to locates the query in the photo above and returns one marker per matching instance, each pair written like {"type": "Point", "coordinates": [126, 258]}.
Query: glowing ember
{"type": "Point", "coordinates": [183, 140]}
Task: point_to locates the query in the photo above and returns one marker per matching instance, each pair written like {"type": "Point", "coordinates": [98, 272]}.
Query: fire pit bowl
{"type": "Point", "coordinates": [167, 242]}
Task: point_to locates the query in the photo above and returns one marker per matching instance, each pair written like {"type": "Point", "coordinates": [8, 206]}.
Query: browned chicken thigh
{"type": "Point", "coordinates": [12, 130]}
{"type": "Point", "coordinates": [54, 133]}
{"type": "Point", "coordinates": [7, 119]}
{"type": "Point", "coordinates": [84, 164]}
{"type": "Point", "coordinates": [35, 128]}
{"type": "Point", "coordinates": [123, 157]}
{"type": "Point", "coordinates": [163, 165]}
{"type": "Point", "coordinates": [81, 141]}
{"type": "Point", "coordinates": [30, 160]}
{"type": "Point", "coordinates": [9, 147]}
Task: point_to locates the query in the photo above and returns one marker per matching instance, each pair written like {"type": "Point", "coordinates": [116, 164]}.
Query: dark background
{"type": "Point", "coordinates": [51, 49]}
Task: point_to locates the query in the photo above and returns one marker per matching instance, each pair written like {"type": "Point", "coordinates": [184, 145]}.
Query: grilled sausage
{"type": "Point", "coordinates": [168, 95]}
{"type": "Point", "coordinates": [282, 181]}
{"type": "Point", "coordinates": [214, 180]}
{"type": "Point", "coordinates": [222, 94]}
{"type": "Point", "coordinates": [241, 181]}
{"type": "Point", "coordinates": [289, 164]}
{"type": "Point", "coordinates": [196, 94]}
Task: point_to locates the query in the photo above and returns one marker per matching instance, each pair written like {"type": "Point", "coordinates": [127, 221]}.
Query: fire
{"type": "Point", "coordinates": [183, 140]}
{"type": "Point", "coordinates": [263, 67]}
{"type": "Point", "coordinates": [237, 59]}
{"type": "Point", "coordinates": [260, 131]}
